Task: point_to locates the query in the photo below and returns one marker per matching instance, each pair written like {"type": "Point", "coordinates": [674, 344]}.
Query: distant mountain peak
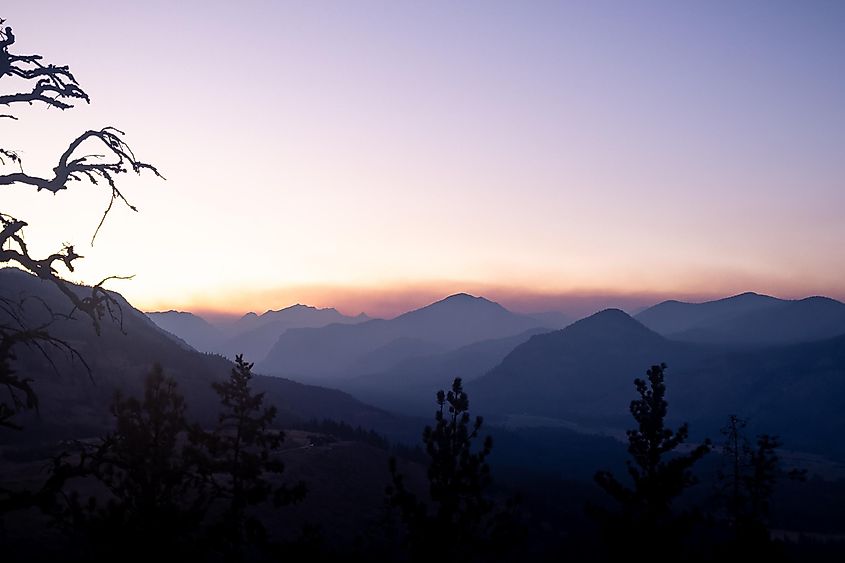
{"type": "Point", "coordinates": [605, 316]}
{"type": "Point", "coordinates": [749, 295]}
{"type": "Point", "coordinates": [819, 299]}
{"type": "Point", "coordinates": [463, 297]}
{"type": "Point", "coordinates": [300, 306]}
{"type": "Point", "coordinates": [169, 312]}
{"type": "Point", "coordinates": [610, 323]}
{"type": "Point", "coordinates": [466, 298]}
{"type": "Point", "coordinates": [293, 308]}
{"type": "Point", "coordinates": [457, 304]}
{"type": "Point", "coordinates": [612, 312]}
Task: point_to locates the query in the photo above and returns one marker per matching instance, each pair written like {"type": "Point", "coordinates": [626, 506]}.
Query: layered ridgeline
{"type": "Point", "coordinates": [338, 352]}
{"type": "Point", "coordinates": [407, 385]}
{"type": "Point", "coordinates": [748, 318]}
{"type": "Point", "coordinates": [74, 402]}
{"type": "Point", "coordinates": [190, 328]}
{"type": "Point", "coordinates": [581, 376]}
{"type": "Point", "coordinates": [252, 335]}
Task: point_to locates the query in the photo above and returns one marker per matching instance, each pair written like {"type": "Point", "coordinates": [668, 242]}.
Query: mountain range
{"type": "Point", "coordinates": [584, 375]}
{"type": "Point", "coordinates": [748, 318]}
{"type": "Point", "coordinates": [252, 335]}
{"type": "Point", "coordinates": [74, 400]}
{"type": "Point", "coordinates": [780, 363]}
{"type": "Point", "coordinates": [337, 352]}
{"type": "Point", "coordinates": [407, 386]}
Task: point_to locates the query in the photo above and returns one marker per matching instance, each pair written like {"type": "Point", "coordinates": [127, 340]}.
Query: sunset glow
{"type": "Point", "coordinates": [378, 156]}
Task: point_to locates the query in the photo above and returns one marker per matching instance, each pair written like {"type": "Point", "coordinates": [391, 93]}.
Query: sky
{"type": "Point", "coordinates": [376, 156]}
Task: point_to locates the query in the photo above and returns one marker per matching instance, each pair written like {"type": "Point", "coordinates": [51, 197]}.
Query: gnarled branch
{"type": "Point", "coordinates": [91, 166]}
{"type": "Point", "coordinates": [53, 84]}
{"type": "Point", "coordinates": [98, 305]}
{"type": "Point", "coordinates": [14, 330]}
{"type": "Point", "coordinates": [95, 168]}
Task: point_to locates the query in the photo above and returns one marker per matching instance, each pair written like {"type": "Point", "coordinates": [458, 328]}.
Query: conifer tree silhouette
{"type": "Point", "coordinates": [459, 522]}
{"type": "Point", "coordinates": [747, 487]}
{"type": "Point", "coordinates": [155, 501]}
{"type": "Point", "coordinates": [658, 472]}
{"type": "Point", "coordinates": [239, 459]}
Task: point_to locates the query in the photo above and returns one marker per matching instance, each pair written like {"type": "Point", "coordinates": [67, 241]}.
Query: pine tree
{"type": "Point", "coordinates": [658, 472]}
{"type": "Point", "coordinates": [747, 488]}
{"type": "Point", "coordinates": [460, 522]}
{"type": "Point", "coordinates": [155, 502]}
{"type": "Point", "coordinates": [238, 459]}
{"type": "Point", "coordinates": [736, 450]}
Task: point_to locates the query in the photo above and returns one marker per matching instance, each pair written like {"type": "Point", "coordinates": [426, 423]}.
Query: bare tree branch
{"type": "Point", "coordinates": [97, 305]}
{"type": "Point", "coordinates": [56, 87]}
{"type": "Point", "coordinates": [15, 330]}
{"type": "Point", "coordinates": [94, 168]}
{"type": "Point", "coordinates": [53, 84]}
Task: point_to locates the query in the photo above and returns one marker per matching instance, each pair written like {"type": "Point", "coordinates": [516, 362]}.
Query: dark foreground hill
{"type": "Point", "coordinates": [74, 401]}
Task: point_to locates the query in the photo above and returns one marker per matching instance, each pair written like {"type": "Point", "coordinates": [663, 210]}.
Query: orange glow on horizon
{"type": "Point", "coordinates": [379, 160]}
{"type": "Point", "coordinates": [391, 300]}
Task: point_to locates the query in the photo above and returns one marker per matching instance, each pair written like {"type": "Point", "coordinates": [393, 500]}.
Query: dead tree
{"type": "Point", "coordinates": [34, 81]}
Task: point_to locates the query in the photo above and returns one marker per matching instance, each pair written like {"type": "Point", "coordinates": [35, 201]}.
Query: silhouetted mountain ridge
{"type": "Point", "coordinates": [333, 351]}
{"type": "Point", "coordinates": [407, 385]}
{"type": "Point", "coordinates": [611, 325]}
{"type": "Point", "coordinates": [748, 318]}
{"type": "Point", "coordinates": [190, 328]}
{"type": "Point", "coordinates": [584, 374]}
{"type": "Point", "coordinates": [252, 335]}
{"type": "Point", "coordinates": [72, 403]}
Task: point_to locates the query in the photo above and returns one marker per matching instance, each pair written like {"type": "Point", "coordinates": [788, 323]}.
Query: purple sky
{"type": "Point", "coordinates": [369, 155]}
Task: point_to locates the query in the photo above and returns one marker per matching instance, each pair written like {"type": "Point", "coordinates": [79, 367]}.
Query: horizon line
{"type": "Point", "coordinates": [393, 303]}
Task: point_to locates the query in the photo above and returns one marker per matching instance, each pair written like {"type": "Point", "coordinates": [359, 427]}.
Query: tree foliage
{"type": "Point", "coordinates": [459, 521]}
{"type": "Point", "coordinates": [169, 486]}
{"type": "Point", "coordinates": [659, 473]}
{"type": "Point", "coordinates": [747, 483]}
{"type": "Point", "coordinates": [149, 495]}
{"type": "Point", "coordinates": [239, 459]}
